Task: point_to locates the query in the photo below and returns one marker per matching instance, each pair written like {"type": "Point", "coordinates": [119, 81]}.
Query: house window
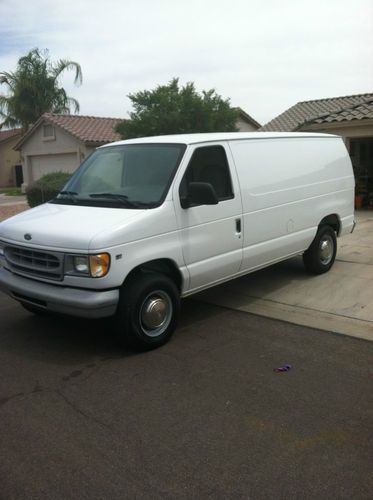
{"type": "Point", "coordinates": [48, 132]}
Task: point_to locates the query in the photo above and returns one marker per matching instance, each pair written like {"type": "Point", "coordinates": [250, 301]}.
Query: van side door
{"type": "Point", "coordinates": [211, 234]}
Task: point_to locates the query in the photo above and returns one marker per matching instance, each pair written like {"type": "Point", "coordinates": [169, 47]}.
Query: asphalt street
{"type": "Point", "coordinates": [203, 417]}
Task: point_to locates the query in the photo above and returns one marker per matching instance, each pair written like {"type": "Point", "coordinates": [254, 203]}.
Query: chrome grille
{"type": "Point", "coordinates": [30, 261]}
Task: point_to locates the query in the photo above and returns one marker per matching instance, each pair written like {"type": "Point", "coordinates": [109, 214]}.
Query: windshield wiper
{"type": "Point", "coordinates": [70, 195]}
{"type": "Point", "coordinates": [73, 193]}
{"type": "Point", "coordinates": [122, 198]}
{"type": "Point", "coordinates": [114, 196]}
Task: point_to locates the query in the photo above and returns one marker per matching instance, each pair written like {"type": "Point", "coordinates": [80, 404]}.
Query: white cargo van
{"type": "Point", "coordinates": [144, 222]}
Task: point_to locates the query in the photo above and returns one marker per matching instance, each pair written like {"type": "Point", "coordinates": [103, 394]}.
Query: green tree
{"type": "Point", "coordinates": [33, 89]}
{"type": "Point", "coordinates": [170, 109]}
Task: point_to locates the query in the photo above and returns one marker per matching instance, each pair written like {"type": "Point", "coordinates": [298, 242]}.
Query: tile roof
{"type": "Point", "coordinates": [7, 134]}
{"type": "Point", "coordinates": [88, 129]}
{"type": "Point", "coordinates": [357, 112]}
{"type": "Point", "coordinates": [308, 111]}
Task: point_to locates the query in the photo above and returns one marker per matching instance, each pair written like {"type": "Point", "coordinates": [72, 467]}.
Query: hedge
{"type": "Point", "coordinates": [46, 188]}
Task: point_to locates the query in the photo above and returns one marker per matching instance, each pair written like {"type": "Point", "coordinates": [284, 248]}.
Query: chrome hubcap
{"type": "Point", "coordinates": [156, 313]}
{"type": "Point", "coordinates": [326, 250]}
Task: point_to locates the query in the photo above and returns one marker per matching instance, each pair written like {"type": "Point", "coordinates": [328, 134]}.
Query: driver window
{"type": "Point", "coordinates": [208, 164]}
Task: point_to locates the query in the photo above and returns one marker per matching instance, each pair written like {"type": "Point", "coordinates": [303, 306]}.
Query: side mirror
{"type": "Point", "coordinates": [200, 193]}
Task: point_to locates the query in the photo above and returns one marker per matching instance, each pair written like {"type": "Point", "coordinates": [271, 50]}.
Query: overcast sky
{"type": "Point", "coordinates": [264, 55]}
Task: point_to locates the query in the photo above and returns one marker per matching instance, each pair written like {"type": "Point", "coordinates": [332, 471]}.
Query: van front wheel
{"type": "Point", "coordinates": [148, 311]}
{"type": "Point", "coordinates": [320, 256]}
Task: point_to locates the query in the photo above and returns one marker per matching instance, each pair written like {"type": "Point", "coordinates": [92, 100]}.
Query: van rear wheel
{"type": "Point", "coordinates": [148, 311]}
{"type": "Point", "coordinates": [320, 256]}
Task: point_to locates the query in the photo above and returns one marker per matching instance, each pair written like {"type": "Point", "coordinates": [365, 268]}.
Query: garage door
{"type": "Point", "coordinates": [41, 165]}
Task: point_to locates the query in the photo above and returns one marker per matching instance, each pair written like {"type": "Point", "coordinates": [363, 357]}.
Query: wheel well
{"type": "Point", "coordinates": [333, 221]}
{"type": "Point", "coordinates": [163, 266]}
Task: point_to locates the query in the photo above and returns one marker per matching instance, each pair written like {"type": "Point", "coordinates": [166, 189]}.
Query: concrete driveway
{"type": "Point", "coordinates": [340, 301]}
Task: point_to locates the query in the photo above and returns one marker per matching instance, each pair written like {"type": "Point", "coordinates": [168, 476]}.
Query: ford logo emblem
{"type": "Point", "coordinates": [28, 237]}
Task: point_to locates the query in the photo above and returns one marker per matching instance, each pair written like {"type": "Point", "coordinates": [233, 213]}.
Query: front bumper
{"type": "Point", "coordinates": [59, 299]}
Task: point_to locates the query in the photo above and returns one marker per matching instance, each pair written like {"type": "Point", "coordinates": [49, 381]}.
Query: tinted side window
{"type": "Point", "coordinates": [209, 164]}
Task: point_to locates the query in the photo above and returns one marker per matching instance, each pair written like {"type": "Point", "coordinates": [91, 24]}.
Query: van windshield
{"type": "Point", "coordinates": [125, 176]}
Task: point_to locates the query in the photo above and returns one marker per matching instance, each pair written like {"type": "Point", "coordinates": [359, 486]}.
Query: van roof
{"type": "Point", "coordinates": [220, 136]}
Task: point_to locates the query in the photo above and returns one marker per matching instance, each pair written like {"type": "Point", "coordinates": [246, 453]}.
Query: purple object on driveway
{"type": "Point", "coordinates": [284, 368]}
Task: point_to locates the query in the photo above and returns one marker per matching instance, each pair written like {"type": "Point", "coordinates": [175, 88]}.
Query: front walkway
{"type": "Point", "coordinates": [340, 301]}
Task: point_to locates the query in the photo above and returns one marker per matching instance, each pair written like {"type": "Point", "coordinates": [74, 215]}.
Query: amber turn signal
{"type": "Point", "coordinates": [99, 265]}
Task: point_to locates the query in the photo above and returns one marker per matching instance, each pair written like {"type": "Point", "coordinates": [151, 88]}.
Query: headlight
{"type": "Point", "coordinates": [95, 266]}
{"type": "Point", "coordinates": [81, 264]}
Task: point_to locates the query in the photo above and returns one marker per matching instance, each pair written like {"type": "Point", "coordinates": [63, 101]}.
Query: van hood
{"type": "Point", "coordinates": [64, 226]}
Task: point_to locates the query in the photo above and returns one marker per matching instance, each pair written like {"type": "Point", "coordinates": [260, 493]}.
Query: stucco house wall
{"type": "Point", "coordinates": [347, 130]}
{"type": "Point", "coordinates": [245, 126]}
{"type": "Point", "coordinates": [8, 160]}
{"type": "Point", "coordinates": [40, 154]}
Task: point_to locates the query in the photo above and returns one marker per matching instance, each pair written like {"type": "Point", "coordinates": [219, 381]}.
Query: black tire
{"type": "Point", "coordinates": [148, 311]}
{"type": "Point", "coordinates": [320, 256]}
{"type": "Point", "coordinates": [39, 311]}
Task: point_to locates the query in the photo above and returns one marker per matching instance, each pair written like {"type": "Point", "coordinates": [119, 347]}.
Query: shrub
{"type": "Point", "coordinates": [46, 188]}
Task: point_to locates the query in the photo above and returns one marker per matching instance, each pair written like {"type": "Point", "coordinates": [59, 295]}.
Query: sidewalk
{"type": "Point", "coordinates": [340, 301]}
{"type": "Point", "coordinates": [11, 200]}
{"type": "Point", "coordinates": [11, 205]}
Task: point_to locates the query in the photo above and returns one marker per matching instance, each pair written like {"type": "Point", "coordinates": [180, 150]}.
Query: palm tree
{"type": "Point", "coordinates": [33, 89]}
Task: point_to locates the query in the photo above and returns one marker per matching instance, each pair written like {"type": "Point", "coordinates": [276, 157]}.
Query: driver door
{"type": "Point", "coordinates": [211, 235]}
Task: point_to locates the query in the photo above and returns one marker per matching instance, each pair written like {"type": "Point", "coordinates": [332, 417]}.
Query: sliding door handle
{"type": "Point", "coordinates": [238, 226]}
